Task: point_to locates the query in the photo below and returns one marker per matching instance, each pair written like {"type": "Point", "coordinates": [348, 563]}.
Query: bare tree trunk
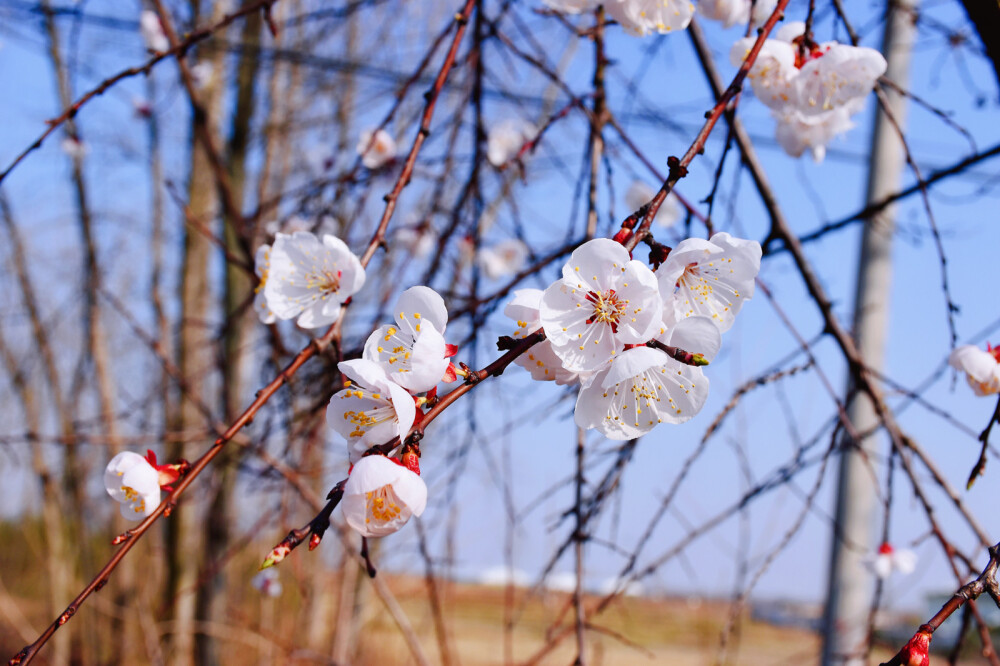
{"type": "Point", "coordinates": [849, 594]}
{"type": "Point", "coordinates": [195, 349]}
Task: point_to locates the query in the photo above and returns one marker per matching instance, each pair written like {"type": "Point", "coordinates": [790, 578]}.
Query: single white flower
{"type": "Point", "coordinates": [266, 582]}
{"type": "Point", "coordinates": [202, 74]}
{"type": "Point", "coordinates": [572, 6]}
{"type": "Point", "coordinates": [603, 301]}
{"type": "Point", "coordinates": [642, 17]}
{"type": "Point", "coordinates": [381, 495]}
{"type": "Point", "coordinates": [709, 277]}
{"type": "Point", "coordinates": [890, 559]}
{"type": "Point", "coordinates": [644, 387]}
{"type": "Point", "coordinates": [505, 258]}
{"type": "Point", "coordinates": [74, 148]}
{"type": "Point", "coordinates": [506, 138]}
{"type": "Point", "coordinates": [540, 360]}
{"type": "Point", "coordinates": [152, 32]}
{"type": "Point", "coordinates": [371, 410]}
{"type": "Point", "coordinates": [639, 194]}
{"type": "Point", "coordinates": [309, 279]}
{"type": "Point", "coordinates": [797, 131]}
{"type": "Point", "coordinates": [134, 482]}
{"type": "Point", "coordinates": [981, 368]}
{"type": "Point", "coordinates": [376, 147]}
{"type": "Point", "coordinates": [413, 352]}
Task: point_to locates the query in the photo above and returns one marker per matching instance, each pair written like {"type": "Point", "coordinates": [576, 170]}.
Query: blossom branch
{"type": "Point", "coordinates": [984, 438]}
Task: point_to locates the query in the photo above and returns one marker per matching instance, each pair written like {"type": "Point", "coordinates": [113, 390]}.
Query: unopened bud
{"type": "Point", "coordinates": [917, 651]}
{"type": "Point", "coordinates": [279, 553]}
{"type": "Point", "coordinates": [622, 236]}
{"type": "Point", "coordinates": [314, 541]}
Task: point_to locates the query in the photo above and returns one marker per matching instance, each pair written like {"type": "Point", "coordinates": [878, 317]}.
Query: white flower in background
{"type": "Point", "coordinates": [502, 576]}
{"type": "Point", "coordinates": [506, 138]}
{"type": "Point", "coordinates": [266, 582]}
{"type": "Point", "coordinates": [981, 368]}
{"type": "Point", "coordinates": [202, 74]}
{"type": "Point", "coordinates": [134, 482]}
{"type": "Point", "coordinates": [152, 31]}
{"type": "Point", "coordinates": [772, 71]}
{"type": "Point", "coordinates": [418, 239]}
{"type": "Point", "coordinates": [572, 6]}
{"type": "Point", "coordinates": [381, 495]}
{"type": "Point", "coordinates": [604, 301]}
{"type": "Point", "coordinates": [639, 194]}
{"type": "Point", "coordinates": [309, 279]}
{"type": "Point", "coordinates": [142, 107]}
{"type": "Point", "coordinates": [890, 559]}
{"type": "Point", "coordinates": [709, 277]}
{"type": "Point", "coordinates": [647, 16]}
{"type": "Point", "coordinates": [644, 387]}
{"type": "Point", "coordinates": [74, 147]}
{"type": "Point", "coordinates": [797, 131]}
{"type": "Point", "coordinates": [541, 361]}
{"type": "Point", "coordinates": [413, 352]}
{"type": "Point", "coordinates": [260, 268]}
{"type": "Point", "coordinates": [371, 410]}
{"type": "Point", "coordinates": [376, 147]}
{"type": "Point", "coordinates": [736, 12]}
{"type": "Point", "coordinates": [505, 258]}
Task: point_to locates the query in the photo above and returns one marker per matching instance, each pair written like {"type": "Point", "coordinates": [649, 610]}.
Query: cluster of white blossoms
{"type": "Point", "coordinates": [811, 89]}
{"type": "Point", "coordinates": [635, 339]}
{"type": "Point", "coordinates": [981, 367]}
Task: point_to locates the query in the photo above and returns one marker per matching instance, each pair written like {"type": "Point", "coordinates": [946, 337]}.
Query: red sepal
{"type": "Point", "coordinates": [450, 350]}
{"type": "Point", "coordinates": [449, 374]}
{"type": "Point", "coordinates": [622, 236]}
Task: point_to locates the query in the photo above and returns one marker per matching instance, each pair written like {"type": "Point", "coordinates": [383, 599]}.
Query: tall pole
{"type": "Point", "coordinates": [850, 591]}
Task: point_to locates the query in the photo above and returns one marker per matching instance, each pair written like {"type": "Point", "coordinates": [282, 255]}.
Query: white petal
{"type": "Point", "coordinates": [524, 308]}
{"type": "Point", "coordinates": [978, 363]}
{"type": "Point", "coordinates": [421, 304]}
{"type": "Point", "coordinates": [633, 362]}
{"type": "Point", "coordinates": [116, 468]}
{"type": "Point", "coordinates": [366, 373]}
{"type": "Point", "coordinates": [904, 560]}
{"type": "Point", "coordinates": [427, 363]}
{"type": "Point", "coordinates": [406, 409]}
{"type": "Point", "coordinates": [594, 265]}
{"type": "Point", "coordinates": [644, 310]}
{"type": "Point", "coordinates": [698, 335]}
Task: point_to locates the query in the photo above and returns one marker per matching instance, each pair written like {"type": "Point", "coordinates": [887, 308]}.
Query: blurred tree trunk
{"type": "Point", "coordinates": [196, 355]}
{"type": "Point", "coordinates": [239, 326]}
{"type": "Point", "coordinates": [985, 16]}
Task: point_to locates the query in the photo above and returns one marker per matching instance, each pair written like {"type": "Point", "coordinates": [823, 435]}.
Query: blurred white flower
{"type": "Point", "coordinates": [506, 139]}
{"type": "Point", "coordinates": [736, 12]}
{"type": "Point", "coordinates": [152, 31]}
{"type": "Point", "coordinates": [712, 278]}
{"type": "Point", "coordinates": [381, 495]}
{"type": "Point", "coordinates": [74, 148]}
{"type": "Point", "coordinates": [889, 559]}
{"type": "Point", "coordinates": [981, 368]}
{"type": "Point", "coordinates": [260, 266]}
{"type": "Point", "coordinates": [413, 352]}
{"type": "Point", "coordinates": [202, 74]}
{"type": "Point", "coordinates": [501, 576]}
{"type": "Point", "coordinates": [371, 410]}
{"type": "Point", "coordinates": [572, 6]}
{"type": "Point", "coordinates": [560, 581]}
{"type": "Point", "coordinates": [134, 482]}
{"type": "Point", "coordinates": [643, 17]}
{"type": "Point", "coordinates": [639, 194]}
{"type": "Point", "coordinates": [309, 279]}
{"type": "Point", "coordinates": [266, 582]}
{"type": "Point", "coordinates": [418, 240]}
{"type": "Point", "coordinates": [376, 148]}
{"type": "Point", "coordinates": [505, 258]}
{"type": "Point", "coordinates": [797, 131]}
{"type": "Point", "coordinates": [603, 301]}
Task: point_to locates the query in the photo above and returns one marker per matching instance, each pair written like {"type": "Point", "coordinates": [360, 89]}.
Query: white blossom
{"type": "Point", "coordinates": [736, 12]}
{"type": "Point", "coordinates": [505, 139]}
{"type": "Point", "coordinates": [152, 32]}
{"type": "Point", "coordinates": [418, 240]}
{"type": "Point", "coordinates": [644, 387]}
{"type": "Point", "coordinates": [266, 582]}
{"type": "Point", "coordinates": [796, 131]}
{"type": "Point", "coordinates": [603, 301]}
{"type": "Point", "coordinates": [376, 147]}
{"type": "Point", "coordinates": [572, 6]}
{"type": "Point", "coordinates": [642, 17]}
{"type": "Point", "coordinates": [412, 353]}
{"type": "Point", "coordinates": [709, 277]}
{"type": "Point", "coordinates": [889, 559]}
{"type": "Point", "coordinates": [371, 410]}
{"type": "Point", "coordinates": [309, 279]}
{"type": "Point", "coordinates": [540, 360]}
{"type": "Point", "coordinates": [505, 258]}
{"type": "Point", "coordinates": [74, 147]}
{"type": "Point", "coordinates": [133, 481]}
{"type": "Point", "coordinates": [380, 496]}
{"type": "Point", "coordinates": [981, 368]}
{"type": "Point", "coordinates": [639, 194]}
